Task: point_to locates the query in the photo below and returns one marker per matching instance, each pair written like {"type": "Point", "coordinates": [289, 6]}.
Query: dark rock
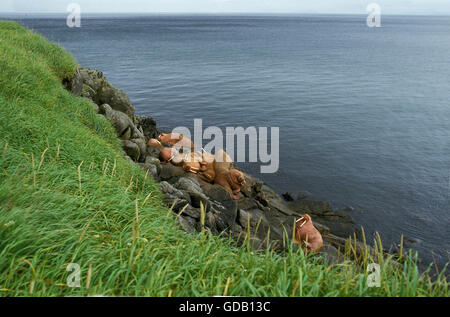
{"type": "Point", "coordinates": [123, 125]}
{"type": "Point", "coordinates": [252, 186]}
{"type": "Point", "coordinates": [191, 212]}
{"type": "Point", "coordinates": [153, 152]}
{"type": "Point", "coordinates": [273, 201]}
{"type": "Point", "coordinates": [222, 204]}
{"type": "Point", "coordinates": [142, 147]}
{"type": "Point", "coordinates": [213, 223]}
{"type": "Point", "coordinates": [150, 169]}
{"type": "Point", "coordinates": [170, 172]}
{"type": "Point", "coordinates": [117, 98]}
{"type": "Point", "coordinates": [198, 200]}
{"type": "Point", "coordinates": [131, 149]}
{"type": "Point", "coordinates": [303, 195]}
{"type": "Point", "coordinates": [93, 85]}
{"type": "Point", "coordinates": [248, 203]}
{"type": "Point", "coordinates": [192, 187]}
{"type": "Point", "coordinates": [175, 203]}
{"type": "Point", "coordinates": [168, 189]}
{"type": "Point", "coordinates": [189, 184]}
{"type": "Point", "coordinates": [288, 197]}
{"type": "Point", "coordinates": [260, 225]}
{"type": "Point", "coordinates": [148, 125]}
{"type": "Point", "coordinates": [187, 224]}
{"type": "Point", "coordinates": [152, 160]}
{"type": "Point", "coordinates": [120, 121]}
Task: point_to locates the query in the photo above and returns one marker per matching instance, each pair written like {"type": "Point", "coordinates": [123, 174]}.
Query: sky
{"type": "Point", "coordinates": [228, 6]}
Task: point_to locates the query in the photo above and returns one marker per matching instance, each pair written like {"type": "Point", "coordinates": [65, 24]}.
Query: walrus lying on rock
{"type": "Point", "coordinates": [176, 139]}
{"type": "Point", "coordinates": [229, 178]}
{"type": "Point", "coordinates": [211, 168]}
{"type": "Point", "coordinates": [193, 162]}
{"type": "Point", "coordinates": [307, 235]}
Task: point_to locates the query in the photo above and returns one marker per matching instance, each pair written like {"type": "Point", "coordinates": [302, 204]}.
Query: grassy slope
{"type": "Point", "coordinates": [67, 195]}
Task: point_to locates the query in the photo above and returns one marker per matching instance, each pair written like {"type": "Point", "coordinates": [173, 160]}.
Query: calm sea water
{"type": "Point", "coordinates": [364, 113]}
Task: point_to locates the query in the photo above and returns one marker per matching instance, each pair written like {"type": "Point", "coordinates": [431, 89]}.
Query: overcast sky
{"type": "Point", "coordinates": [229, 6]}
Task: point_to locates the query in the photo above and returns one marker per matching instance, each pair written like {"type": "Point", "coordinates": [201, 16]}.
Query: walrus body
{"type": "Point", "coordinates": [155, 142]}
{"type": "Point", "coordinates": [230, 179]}
{"type": "Point", "coordinates": [176, 139]}
{"type": "Point", "coordinates": [211, 168]}
{"type": "Point", "coordinates": [307, 235]}
{"type": "Point", "coordinates": [207, 170]}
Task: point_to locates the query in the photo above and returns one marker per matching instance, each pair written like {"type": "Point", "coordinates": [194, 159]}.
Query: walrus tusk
{"type": "Point", "coordinates": [303, 221]}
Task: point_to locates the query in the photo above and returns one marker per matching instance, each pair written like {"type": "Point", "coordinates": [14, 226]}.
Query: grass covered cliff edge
{"type": "Point", "coordinates": [67, 195]}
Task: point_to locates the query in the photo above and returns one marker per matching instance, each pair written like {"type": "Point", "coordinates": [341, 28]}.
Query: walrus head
{"type": "Point", "coordinates": [176, 139]}
{"type": "Point", "coordinates": [307, 235]}
{"type": "Point", "coordinates": [166, 155]}
{"type": "Point", "coordinates": [154, 142]}
{"type": "Point", "coordinates": [237, 178]}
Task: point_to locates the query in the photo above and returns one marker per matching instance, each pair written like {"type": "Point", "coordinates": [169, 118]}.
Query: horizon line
{"type": "Point", "coordinates": [222, 13]}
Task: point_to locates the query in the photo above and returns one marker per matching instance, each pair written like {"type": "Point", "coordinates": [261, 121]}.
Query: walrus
{"type": "Point", "coordinates": [229, 178]}
{"type": "Point", "coordinates": [176, 139]}
{"type": "Point", "coordinates": [155, 142]}
{"type": "Point", "coordinates": [307, 235]}
{"type": "Point", "coordinates": [194, 162]}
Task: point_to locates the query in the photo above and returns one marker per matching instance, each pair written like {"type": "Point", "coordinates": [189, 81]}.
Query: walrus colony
{"type": "Point", "coordinates": [218, 169]}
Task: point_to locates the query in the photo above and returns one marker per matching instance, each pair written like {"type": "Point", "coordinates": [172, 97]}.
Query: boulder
{"type": "Point", "coordinates": [123, 125]}
{"type": "Point", "coordinates": [170, 172]}
{"type": "Point", "coordinates": [150, 169]}
{"type": "Point", "coordinates": [148, 125]}
{"type": "Point", "coordinates": [191, 212]}
{"type": "Point", "coordinates": [169, 190]}
{"type": "Point", "coordinates": [153, 152]}
{"type": "Point", "coordinates": [252, 186]}
{"type": "Point", "coordinates": [92, 84]}
{"type": "Point", "coordinates": [187, 224]}
{"type": "Point", "coordinates": [189, 184]}
{"type": "Point", "coordinates": [192, 187]}
{"type": "Point", "coordinates": [117, 98]}
{"type": "Point", "coordinates": [140, 142]}
{"type": "Point", "coordinates": [131, 149]}
{"type": "Point", "coordinates": [222, 204]}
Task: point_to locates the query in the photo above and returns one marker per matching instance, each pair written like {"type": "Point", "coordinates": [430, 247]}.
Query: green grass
{"type": "Point", "coordinates": [67, 195]}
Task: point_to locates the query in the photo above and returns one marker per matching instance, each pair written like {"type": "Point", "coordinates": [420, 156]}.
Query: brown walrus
{"type": "Point", "coordinates": [229, 178]}
{"type": "Point", "coordinates": [194, 162]}
{"type": "Point", "coordinates": [307, 235]}
{"type": "Point", "coordinates": [155, 142]}
{"type": "Point", "coordinates": [176, 139]}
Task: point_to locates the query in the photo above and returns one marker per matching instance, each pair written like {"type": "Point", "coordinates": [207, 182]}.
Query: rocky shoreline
{"type": "Point", "coordinates": [259, 211]}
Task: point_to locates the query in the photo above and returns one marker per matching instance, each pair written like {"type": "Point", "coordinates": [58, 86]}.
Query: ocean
{"type": "Point", "coordinates": [363, 113]}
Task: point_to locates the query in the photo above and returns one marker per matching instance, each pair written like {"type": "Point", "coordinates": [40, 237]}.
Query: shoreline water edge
{"type": "Point", "coordinates": [260, 215]}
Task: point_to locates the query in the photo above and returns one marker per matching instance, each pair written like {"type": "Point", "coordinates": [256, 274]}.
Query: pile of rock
{"type": "Point", "coordinates": [259, 211]}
